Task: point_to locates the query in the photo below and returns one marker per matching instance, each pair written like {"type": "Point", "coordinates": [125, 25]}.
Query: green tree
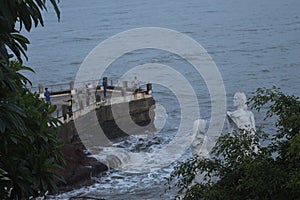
{"type": "Point", "coordinates": [236, 171]}
{"type": "Point", "coordinates": [29, 149]}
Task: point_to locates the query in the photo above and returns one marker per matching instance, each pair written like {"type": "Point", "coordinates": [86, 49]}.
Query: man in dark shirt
{"type": "Point", "coordinates": [47, 95]}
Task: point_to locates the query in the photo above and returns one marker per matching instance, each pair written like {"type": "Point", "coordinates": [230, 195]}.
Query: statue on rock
{"type": "Point", "coordinates": [241, 118]}
{"type": "Point", "coordinates": [199, 132]}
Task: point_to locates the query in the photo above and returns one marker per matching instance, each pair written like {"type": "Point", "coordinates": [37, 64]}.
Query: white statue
{"type": "Point", "coordinates": [241, 118]}
{"type": "Point", "coordinates": [199, 132]}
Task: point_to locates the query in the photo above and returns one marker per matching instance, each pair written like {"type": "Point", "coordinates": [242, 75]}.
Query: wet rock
{"type": "Point", "coordinates": [80, 166]}
{"type": "Point", "coordinates": [79, 174]}
{"type": "Point", "coordinates": [72, 163]}
{"type": "Point", "coordinates": [96, 166]}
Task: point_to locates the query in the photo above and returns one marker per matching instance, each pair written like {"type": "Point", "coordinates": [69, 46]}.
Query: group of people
{"type": "Point", "coordinates": [135, 82]}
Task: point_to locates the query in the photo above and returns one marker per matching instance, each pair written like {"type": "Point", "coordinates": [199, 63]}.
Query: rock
{"type": "Point", "coordinates": [79, 166]}
{"type": "Point", "coordinates": [97, 167]}
{"type": "Point", "coordinates": [80, 173]}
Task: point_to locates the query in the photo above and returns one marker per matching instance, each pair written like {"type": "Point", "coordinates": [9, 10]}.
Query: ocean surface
{"type": "Point", "coordinates": [253, 43]}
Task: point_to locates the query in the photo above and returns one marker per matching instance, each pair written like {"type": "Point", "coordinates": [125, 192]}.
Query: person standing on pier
{"type": "Point", "coordinates": [136, 84]}
{"type": "Point", "coordinates": [70, 105]}
{"type": "Point", "coordinates": [104, 86]}
{"type": "Point", "coordinates": [47, 96]}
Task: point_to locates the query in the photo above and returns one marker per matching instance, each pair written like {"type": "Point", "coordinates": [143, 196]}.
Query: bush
{"type": "Point", "coordinates": [236, 171]}
{"type": "Point", "coordinates": [29, 149]}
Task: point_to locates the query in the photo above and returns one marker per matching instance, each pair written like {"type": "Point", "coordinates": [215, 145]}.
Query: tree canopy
{"type": "Point", "coordinates": [29, 150]}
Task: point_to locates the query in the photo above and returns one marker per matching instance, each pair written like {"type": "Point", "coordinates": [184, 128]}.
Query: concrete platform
{"type": "Point", "coordinates": [85, 101]}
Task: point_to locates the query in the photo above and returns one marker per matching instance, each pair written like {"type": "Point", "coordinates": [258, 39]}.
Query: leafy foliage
{"type": "Point", "coordinates": [237, 170]}
{"type": "Point", "coordinates": [29, 150]}
{"type": "Point", "coordinates": [14, 14]}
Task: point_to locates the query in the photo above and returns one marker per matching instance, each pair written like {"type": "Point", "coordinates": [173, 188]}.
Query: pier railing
{"type": "Point", "coordinates": [64, 87]}
{"type": "Point", "coordinates": [89, 96]}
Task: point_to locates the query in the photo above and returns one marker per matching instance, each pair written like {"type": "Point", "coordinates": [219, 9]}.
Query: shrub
{"type": "Point", "coordinates": [236, 171]}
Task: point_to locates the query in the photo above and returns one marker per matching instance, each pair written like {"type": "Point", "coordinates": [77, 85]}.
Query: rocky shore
{"type": "Point", "coordinates": [80, 166]}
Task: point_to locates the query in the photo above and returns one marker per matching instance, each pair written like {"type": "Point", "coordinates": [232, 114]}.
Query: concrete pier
{"type": "Point", "coordinates": [141, 112]}
{"type": "Point", "coordinates": [91, 111]}
{"type": "Point", "coordinates": [89, 98]}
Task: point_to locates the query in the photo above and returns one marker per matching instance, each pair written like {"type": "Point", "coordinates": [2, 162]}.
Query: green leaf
{"type": "Point", "coordinates": [53, 2]}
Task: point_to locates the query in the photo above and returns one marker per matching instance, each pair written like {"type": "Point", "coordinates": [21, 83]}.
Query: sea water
{"type": "Point", "coordinates": [253, 43]}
